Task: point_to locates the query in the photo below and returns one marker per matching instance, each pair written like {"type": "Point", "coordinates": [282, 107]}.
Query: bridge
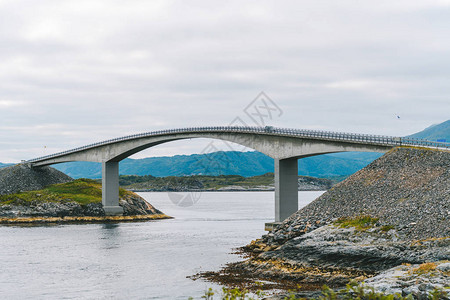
{"type": "Point", "coordinates": [284, 145]}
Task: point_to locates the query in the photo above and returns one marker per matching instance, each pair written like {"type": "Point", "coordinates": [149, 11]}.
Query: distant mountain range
{"type": "Point", "coordinates": [437, 132]}
{"type": "Point", "coordinates": [334, 166]}
{"type": "Point", "coordinates": [5, 165]}
{"type": "Point", "coordinates": [225, 163]}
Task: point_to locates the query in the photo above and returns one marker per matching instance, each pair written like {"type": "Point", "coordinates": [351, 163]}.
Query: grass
{"type": "Point", "coordinates": [361, 223]}
{"type": "Point", "coordinates": [386, 228]}
{"type": "Point", "coordinates": [82, 191]}
{"type": "Point", "coordinates": [353, 290]}
{"type": "Point", "coordinates": [424, 268]}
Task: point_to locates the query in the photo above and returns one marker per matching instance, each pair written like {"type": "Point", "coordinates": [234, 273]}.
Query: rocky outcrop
{"type": "Point", "coordinates": [131, 203]}
{"type": "Point", "coordinates": [393, 212]}
{"type": "Point", "coordinates": [22, 177]}
{"type": "Point", "coordinates": [377, 248]}
{"type": "Point", "coordinates": [306, 183]}
{"type": "Point", "coordinates": [135, 205]}
{"type": "Point", "coordinates": [408, 188]}
{"type": "Point", "coordinates": [420, 281]}
{"type": "Point", "coordinates": [190, 183]}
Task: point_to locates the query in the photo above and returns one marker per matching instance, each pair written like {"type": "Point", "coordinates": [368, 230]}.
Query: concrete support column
{"type": "Point", "coordinates": [286, 188]}
{"type": "Point", "coordinates": [110, 189]}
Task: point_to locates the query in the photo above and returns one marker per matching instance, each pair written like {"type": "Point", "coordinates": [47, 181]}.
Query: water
{"type": "Point", "coordinates": [147, 260]}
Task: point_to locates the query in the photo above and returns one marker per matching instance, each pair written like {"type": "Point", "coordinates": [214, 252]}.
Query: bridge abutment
{"type": "Point", "coordinates": [286, 188]}
{"type": "Point", "coordinates": [110, 189]}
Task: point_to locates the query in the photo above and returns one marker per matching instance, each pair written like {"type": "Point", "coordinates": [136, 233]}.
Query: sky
{"type": "Point", "coordinates": [78, 72]}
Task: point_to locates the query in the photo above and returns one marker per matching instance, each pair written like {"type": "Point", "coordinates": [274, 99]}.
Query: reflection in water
{"type": "Point", "coordinates": [110, 233]}
{"type": "Point", "coordinates": [110, 225]}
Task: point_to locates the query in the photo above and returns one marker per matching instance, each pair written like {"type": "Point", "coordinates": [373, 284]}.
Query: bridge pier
{"type": "Point", "coordinates": [286, 188]}
{"type": "Point", "coordinates": [110, 189]}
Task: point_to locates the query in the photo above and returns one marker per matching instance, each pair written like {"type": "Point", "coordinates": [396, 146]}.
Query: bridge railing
{"type": "Point", "coordinates": [304, 133]}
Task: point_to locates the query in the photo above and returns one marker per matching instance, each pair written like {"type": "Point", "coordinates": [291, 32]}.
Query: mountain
{"type": "Point", "coordinates": [435, 132]}
{"type": "Point", "coordinates": [225, 163]}
{"type": "Point", "coordinates": [335, 166]}
{"type": "Point", "coordinates": [2, 165]}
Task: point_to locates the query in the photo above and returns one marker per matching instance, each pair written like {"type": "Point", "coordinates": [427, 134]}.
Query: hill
{"type": "Point", "coordinates": [21, 177]}
{"type": "Point", "coordinates": [225, 163]}
{"type": "Point", "coordinates": [29, 195]}
{"type": "Point", "coordinates": [435, 132]}
{"type": "Point", "coordinates": [333, 166]}
{"type": "Point", "coordinates": [81, 197]}
{"type": "Point", "coordinates": [216, 183]}
{"type": "Point", "coordinates": [406, 188]}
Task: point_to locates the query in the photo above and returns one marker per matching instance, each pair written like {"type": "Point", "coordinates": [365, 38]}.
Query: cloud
{"type": "Point", "coordinates": [76, 72]}
{"type": "Point", "coordinates": [9, 103]}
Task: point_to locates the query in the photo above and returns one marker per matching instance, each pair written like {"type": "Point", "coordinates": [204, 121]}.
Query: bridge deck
{"type": "Point", "coordinates": [268, 130]}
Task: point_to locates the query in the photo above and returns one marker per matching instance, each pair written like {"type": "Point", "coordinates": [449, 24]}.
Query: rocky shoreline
{"type": "Point", "coordinates": [30, 196]}
{"type": "Point", "coordinates": [334, 256]}
{"type": "Point", "coordinates": [80, 220]}
{"type": "Point", "coordinates": [135, 208]}
{"type": "Point", "coordinates": [392, 217]}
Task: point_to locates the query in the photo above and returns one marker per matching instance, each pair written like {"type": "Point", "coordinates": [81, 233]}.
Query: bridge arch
{"type": "Point", "coordinates": [272, 144]}
{"type": "Point", "coordinates": [285, 146]}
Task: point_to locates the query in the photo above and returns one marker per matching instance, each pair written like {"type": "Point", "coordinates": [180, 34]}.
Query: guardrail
{"type": "Point", "coordinates": [301, 133]}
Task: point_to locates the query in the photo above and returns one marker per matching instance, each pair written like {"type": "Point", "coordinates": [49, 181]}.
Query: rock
{"type": "Point", "coordinates": [93, 210]}
{"type": "Point", "coordinates": [132, 203]}
{"type": "Point", "coordinates": [369, 251]}
{"type": "Point", "coordinates": [444, 267]}
{"type": "Point", "coordinates": [405, 280]}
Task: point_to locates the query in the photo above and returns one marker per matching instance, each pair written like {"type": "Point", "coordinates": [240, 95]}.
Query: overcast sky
{"type": "Point", "coordinates": [78, 72]}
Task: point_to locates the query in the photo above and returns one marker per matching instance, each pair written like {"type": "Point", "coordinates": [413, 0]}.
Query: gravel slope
{"type": "Point", "coordinates": [21, 177]}
{"type": "Point", "coordinates": [408, 188]}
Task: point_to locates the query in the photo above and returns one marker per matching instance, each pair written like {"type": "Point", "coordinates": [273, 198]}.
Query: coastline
{"type": "Point", "coordinates": [83, 220]}
{"type": "Point", "coordinates": [386, 225]}
{"type": "Point", "coordinates": [215, 190]}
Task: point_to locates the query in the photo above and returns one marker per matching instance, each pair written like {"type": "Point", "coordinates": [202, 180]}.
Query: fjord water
{"type": "Point", "coordinates": [145, 260]}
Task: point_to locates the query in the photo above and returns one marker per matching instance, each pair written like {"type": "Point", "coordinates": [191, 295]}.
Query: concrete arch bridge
{"type": "Point", "coordinates": [284, 145]}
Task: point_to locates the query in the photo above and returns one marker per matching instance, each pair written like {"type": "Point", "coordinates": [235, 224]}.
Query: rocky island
{"type": "Point", "coordinates": [209, 183]}
{"type": "Point", "coordinates": [36, 195]}
{"type": "Point", "coordinates": [387, 227]}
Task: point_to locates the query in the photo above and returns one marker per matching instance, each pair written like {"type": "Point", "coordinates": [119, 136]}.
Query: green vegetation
{"type": "Point", "coordinates": [193, 182]}
{"type": "Point", "coordinates": [386, 228]}
{"type": "Point", "coordinates": [425, 268]}
{"type": "Point", "coordinates": [83, 191]}
{"type": "Point", "coordinates": [205, 182]}
{"type": "Point", "coordinates": [353, 290]}
{"type": "Point", "coordinates": [333, 166]}
{"type": "Point", "coordinates": [233, 294]}
{"type": "Point", "coordinates": [361, 223]}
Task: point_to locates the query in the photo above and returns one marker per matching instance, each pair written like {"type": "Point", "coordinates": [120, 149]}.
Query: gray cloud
{"type": "Point", "coordinates": [76, 72]}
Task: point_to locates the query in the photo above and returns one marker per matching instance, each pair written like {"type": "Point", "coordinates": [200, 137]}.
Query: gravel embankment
{"type": "Point", "coordinates": [407, 188]}
{"type": "Point", "coordinates": [22, 177]}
